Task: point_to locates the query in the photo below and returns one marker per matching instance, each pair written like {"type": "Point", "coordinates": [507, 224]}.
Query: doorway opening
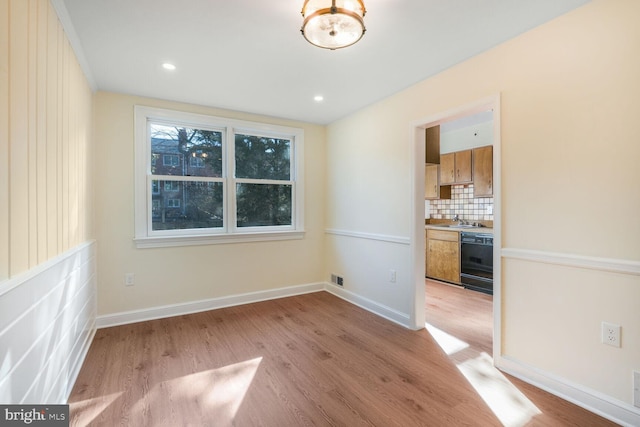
{"type": "Point", "coordinates": [445, 301]}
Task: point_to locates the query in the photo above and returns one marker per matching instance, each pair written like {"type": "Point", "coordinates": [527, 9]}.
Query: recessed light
{"type": "Point", "coordinates": [318, 98]}
{"type": "Point", "coordinates": [168, 66]}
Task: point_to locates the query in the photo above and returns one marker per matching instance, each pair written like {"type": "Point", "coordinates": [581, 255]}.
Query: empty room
{"type": "Point", "coordinates": [320, 212]}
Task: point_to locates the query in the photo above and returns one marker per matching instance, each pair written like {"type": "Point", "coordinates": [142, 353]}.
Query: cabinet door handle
{"type": "Point", "coordinates": [435, 189]}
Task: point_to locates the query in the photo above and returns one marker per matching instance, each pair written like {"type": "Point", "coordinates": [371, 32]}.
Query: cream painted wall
{"type": "Point", "coordinates": [45, 139]}
{"type": "Point", "coordinates": [165, 276]}
{"type": "Point", "coordinates": [569, 108]}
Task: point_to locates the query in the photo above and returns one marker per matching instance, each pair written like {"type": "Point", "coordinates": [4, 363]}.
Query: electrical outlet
{"type": "Point", "coordinates": [340, 281]}
{"type": "Point", "coordinates": [392, 276]}
{"type": "Point", "coordinates": [611, 334]}
{"type": "Point", "coordinates": [129, 279]}
{"type": "Point", "coordinates": [636, 389]}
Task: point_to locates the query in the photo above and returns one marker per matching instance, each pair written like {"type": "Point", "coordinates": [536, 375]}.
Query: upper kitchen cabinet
{"type": "Point", "coordinates": [455, 168]}
{"type": "Point", "coordinates": [483, 171]}
{"type": "Point", "coordinates": [432, 188]}
{"type": "Point", "coordinates": [432, 145]}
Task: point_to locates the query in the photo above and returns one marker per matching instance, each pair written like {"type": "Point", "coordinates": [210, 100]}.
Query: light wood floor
{"type": "Point", "coordinates": [309, 360]}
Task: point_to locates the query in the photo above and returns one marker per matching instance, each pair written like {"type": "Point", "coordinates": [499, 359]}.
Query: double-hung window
{"type": "Point", "coordinates": [220, 180]}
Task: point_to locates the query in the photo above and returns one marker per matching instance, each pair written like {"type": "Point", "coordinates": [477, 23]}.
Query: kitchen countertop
{"type": "Point", "coordinates": [454, 228]}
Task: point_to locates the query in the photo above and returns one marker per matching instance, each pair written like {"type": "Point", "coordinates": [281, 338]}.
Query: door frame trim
{"type": "Point", "coordinates": [417, 132]}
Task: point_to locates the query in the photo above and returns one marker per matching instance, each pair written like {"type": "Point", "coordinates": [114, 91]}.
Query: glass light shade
{"type": "Point", "coordinates": [333, 24]}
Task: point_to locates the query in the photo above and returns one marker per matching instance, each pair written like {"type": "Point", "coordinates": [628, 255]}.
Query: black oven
{"type": "Point", "coordinates": [476, 261]}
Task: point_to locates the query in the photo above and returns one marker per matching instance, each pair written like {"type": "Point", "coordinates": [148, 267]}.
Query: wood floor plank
{"type": "Point", "coordinates": [309, 360]}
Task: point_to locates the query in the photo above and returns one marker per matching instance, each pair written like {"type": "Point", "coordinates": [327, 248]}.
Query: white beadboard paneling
{"type": "Point", "coordinates": [47, 320]}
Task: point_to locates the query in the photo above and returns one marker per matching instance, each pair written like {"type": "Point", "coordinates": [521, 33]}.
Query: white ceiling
{"type": "Point", "coordinates": [248, 55]}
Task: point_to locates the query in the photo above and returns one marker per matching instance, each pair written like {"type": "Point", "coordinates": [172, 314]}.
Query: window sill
{"type": "Point", "coordinates": [173, 241]}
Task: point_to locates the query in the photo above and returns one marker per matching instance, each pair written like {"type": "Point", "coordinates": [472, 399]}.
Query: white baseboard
{"type": "Point", "coordinates": [369, 305]}
{"type": "Point", "coordinates": [161, 312]}
{"type": "Point", "coordinates": [598, 403]}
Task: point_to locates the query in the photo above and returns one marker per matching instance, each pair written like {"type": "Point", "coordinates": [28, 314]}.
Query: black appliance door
{"type": "Point", "coordinates": [476, 266]}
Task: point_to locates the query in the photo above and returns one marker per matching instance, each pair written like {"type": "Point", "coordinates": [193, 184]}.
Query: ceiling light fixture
{"type": "Point", "coordinates": [168, 66]}
{"type": "Point", "coordinates": [333, 24]}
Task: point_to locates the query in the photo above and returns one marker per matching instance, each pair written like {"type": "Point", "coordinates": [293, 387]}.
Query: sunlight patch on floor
{"type": "Point", "coordinates": [509, 404]}
{"type": "Point", "coordinates": [88, 410]}
{"type": "Point", "coordinates": [447, 342]}
{"type": "Point", "coordinates": [217, 391]}
{"type": "Point", "coordinates": [232, 384]}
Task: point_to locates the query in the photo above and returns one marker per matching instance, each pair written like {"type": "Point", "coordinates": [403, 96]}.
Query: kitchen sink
{"type": "Point", "coordinates": [457, 226]}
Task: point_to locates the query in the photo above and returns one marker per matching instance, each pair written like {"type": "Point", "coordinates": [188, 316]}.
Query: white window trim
{"type": "Point", "coordinates": [145, 238]}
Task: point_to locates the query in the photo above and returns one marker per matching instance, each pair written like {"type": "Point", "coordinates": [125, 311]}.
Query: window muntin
{"type": "Point", "coordinates": [233, 181]}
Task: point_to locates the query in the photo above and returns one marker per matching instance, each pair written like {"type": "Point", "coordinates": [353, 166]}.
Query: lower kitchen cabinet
{"type": "Point", "coordinates": [443, 255]}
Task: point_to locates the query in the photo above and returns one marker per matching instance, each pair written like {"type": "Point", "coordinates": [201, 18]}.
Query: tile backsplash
{"type": "Point", "coordinates": [463, 204]}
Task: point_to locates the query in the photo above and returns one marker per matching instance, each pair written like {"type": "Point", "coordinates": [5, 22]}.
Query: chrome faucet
{"type": "Point", "coordinates": [459, 220]}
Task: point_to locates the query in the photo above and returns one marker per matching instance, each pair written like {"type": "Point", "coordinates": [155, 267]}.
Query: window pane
{"type": "Point", "coordinates": [182, 205]}
{"type": "Point", "coordinates": [262, 158]}
{"type": "Point", "coordinates": [184, 151]}
{"type": "Point", "coordinates": [263, 205]}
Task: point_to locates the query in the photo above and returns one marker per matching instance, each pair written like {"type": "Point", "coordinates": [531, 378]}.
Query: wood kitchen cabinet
{"type": "Point", "coordinates": [455, 168]}
{"type": "Point", "coordinates": [432, 188]}
{"type": "Point", "coordinates": [443, 255]}
{"type": "Point", "coordinates": [432, 145]}
{"type": "Point", "coordinates": [483, 171]}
